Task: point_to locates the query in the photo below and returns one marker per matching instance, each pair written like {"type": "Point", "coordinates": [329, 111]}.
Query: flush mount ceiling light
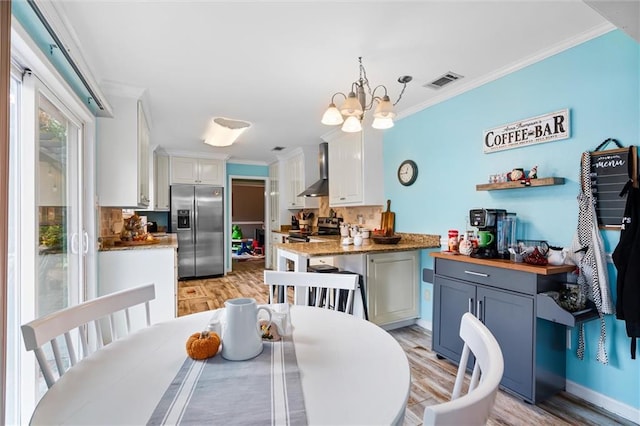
{"type": "Point", "coordinates": [225, 131]}
{"type": "Point", "coordinates": [351, 112]}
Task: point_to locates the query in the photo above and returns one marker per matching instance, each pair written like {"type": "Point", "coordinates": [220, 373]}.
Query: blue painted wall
{"type": "Point", "coordinates": [599, 82]}
{"type": "Point", "coordinates": [246, 170]}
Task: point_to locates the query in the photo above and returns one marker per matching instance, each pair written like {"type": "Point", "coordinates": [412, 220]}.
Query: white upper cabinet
{"type": "Point", "coordinates": [274, 196]}
{"type": "Point", "coordinates": [161, 172]}
{"type": "Point", "coordinates": [294, 168]}
{"type": "Point", "coordinates": [123, 155]}
{"type": "Point", "coordinates": [197, 171]}
{"type": "Point", "coordinates": [298, 171]}
{"type": "Point", "coordinates": [355, 169]}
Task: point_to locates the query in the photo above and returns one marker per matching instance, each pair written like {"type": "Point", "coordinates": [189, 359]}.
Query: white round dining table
{"type": "Point", "coordinates": [352, 372]}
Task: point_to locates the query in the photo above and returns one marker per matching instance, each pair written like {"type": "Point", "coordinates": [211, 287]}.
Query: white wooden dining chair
{"type": "Point", "coordinates": [474, 407]}
{"type": "Point", "coordinates": [315, 289]}
{"type": "Point", "coordinates": [87, 317]}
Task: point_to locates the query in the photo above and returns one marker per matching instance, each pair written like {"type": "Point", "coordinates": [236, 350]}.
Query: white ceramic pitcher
{"type": "Point", "coordinates": [241, 334]}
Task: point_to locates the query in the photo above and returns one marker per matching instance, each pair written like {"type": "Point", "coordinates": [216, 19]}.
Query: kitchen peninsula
{"type": "Point", "coordinates": [390, 272]}
{"type": "Point", "coordinates": [123, 265]}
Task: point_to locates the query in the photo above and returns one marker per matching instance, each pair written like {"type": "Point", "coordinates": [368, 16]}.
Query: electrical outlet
{"type": "Point", "coordinates": [569, 339]}
{"type": "Point", "coordinates": [427, 295]}
{"type": "Point", "coordinates": [360, 219]}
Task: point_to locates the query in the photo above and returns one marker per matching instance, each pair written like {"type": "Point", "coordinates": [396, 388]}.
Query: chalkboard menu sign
{"type": "Point", "coordinates": [610, 171]}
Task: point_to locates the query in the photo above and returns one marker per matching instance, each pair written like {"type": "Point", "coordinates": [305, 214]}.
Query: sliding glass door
{"type": "Point", "coordinates": [61, 242]}
{"type": "Point", "coordinates": [47, 241]}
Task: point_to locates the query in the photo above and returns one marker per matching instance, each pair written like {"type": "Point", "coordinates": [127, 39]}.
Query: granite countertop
{"type": "Point", "coordinates": [507, 264]}
{"type": "Point", "coordinates": [333, 247]}
{"type": "Point", "coordinates": [163, 241]}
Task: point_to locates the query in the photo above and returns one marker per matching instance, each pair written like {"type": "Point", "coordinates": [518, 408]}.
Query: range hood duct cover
{"type": "Point", "coordinates": [321, 187]}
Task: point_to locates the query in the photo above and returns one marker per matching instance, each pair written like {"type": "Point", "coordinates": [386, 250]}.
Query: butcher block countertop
{"type": "Point", "coordinates": [161, 241]}
{"type": "Point", "coordinates": [333, 247]}
{"type": "Point", "coordinates": [507, 264]}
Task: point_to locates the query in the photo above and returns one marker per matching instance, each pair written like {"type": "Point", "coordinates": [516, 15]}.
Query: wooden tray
{"type": "Point", "coordinates": [379, 239]}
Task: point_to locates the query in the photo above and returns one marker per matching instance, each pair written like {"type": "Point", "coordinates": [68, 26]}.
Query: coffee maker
{"type": "Point", "coordinates": [487, 220]}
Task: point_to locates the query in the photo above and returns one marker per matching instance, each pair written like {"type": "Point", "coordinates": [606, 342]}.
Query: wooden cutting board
{"type": "Point", "coordinates": [388, 221]}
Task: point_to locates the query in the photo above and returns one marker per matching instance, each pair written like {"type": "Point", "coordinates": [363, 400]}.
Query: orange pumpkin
{"type": "Point", "coordinates": [203, 345]}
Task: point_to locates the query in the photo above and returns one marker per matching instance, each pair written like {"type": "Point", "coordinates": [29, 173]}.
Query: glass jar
{"type": "Point", "coordinates": [453, 239]}
{"type": "Point", "coordinates": [572, 297]}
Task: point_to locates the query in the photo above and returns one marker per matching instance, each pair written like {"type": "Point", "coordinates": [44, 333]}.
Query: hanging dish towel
{"type": "Point", "coordinates": [626, 257]}
{"type": "Point", "coordinates": [591, 262]}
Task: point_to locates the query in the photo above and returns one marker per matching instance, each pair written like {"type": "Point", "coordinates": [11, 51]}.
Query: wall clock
{"type": "Point", "coordinates": [407, 172]}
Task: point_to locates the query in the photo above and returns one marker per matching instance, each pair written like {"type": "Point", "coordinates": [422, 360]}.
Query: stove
{"type": "Point", "coordinates": [326, 226]}
{"type": "Point", "coordinates": [329, 225]}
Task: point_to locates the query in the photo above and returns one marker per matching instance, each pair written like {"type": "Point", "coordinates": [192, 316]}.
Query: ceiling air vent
{"type": "Point", "coordinates": [443, 80]}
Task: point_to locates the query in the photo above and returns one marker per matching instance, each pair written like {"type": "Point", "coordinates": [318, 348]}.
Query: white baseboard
{"type": "Point", "coordinates": [609, 404]}
{"type": "Point", "coordinates": [425, 324]}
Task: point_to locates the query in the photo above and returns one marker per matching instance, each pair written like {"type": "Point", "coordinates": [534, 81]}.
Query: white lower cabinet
{"type": "Point", "coordinates": [276, 238]}
{"type": "Point", "coordinates": [125, 269]}
{"type": "Point", "coordinates": [393, 287]}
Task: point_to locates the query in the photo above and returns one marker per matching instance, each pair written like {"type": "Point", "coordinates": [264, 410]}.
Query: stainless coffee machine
{"type": "Point", "coordinates": [496, 232]}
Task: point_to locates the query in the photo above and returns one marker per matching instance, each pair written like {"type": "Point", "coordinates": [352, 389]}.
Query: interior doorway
{"type": "Point", "coordinates": [249, 219]}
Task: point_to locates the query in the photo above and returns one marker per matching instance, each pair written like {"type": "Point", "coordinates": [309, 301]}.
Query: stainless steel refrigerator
{"type": "Point", "coordinates": [197, 217]}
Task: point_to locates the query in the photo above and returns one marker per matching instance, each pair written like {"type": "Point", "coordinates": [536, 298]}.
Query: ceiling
{"type": "Point", "coordinates": [276, 64]}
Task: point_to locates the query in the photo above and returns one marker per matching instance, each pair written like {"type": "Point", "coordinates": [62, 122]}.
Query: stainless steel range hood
{"type": "Point", "coordinates": [321, 187]}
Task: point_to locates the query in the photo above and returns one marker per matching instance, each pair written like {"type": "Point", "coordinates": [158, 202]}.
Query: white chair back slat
{"type": "Point", "coordinates": [99, 335]}
{"type": "Point", "coordinates": [462, 367]}
{"type": "Point", "coordinates": [475, 377]}
{"type": "Point", "coordinates": [71, 350]}
{"type": "Point", "coordinates": [475, 406]}
{"type": "Point", "coordinates": [271, 293]}
{"type": "Point", "coordinates": [84, 339]}
{"type": "Point", "coordinates": [127, 320]}
{"type": "Point", "coordinates": [57, 356]}
{"type": "Point", "coordinates": [318, 296]}
{"type": "Point", "coordinates": [147, 307]}
{"type": "Point", "coordinates": [47, 372]}
{"type": "Point", "coordinates": [325, 287]}
{"type": "Point", "coordinates": [47, 329]}
{"type": "Point", "coordinates": [350, 300]}
{"type": "Point", "coordinates": [112, 327]}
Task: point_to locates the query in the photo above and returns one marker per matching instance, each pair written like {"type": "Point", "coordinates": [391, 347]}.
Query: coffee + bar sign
{"type": "Point", "coordinates": [543, 128]}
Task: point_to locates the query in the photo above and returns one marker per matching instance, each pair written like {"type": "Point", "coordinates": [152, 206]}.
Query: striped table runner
{"type": "Point", "coordinates": [260, 391]}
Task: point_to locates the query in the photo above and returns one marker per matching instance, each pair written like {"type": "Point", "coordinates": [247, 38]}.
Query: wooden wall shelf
{"type": "Point", "coordinates": [524, 183]}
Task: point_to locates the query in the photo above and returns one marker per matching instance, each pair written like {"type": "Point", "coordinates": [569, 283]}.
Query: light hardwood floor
{"type": "Point", "coordinates": [432, 379]}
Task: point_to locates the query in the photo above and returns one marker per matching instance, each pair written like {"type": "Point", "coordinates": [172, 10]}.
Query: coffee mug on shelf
{"type": "Point", "coordinates": [484, 238]}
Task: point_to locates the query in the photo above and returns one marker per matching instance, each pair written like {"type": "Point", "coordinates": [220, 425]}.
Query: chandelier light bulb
{"type": "Point", "coordinates": [351, 106]}
{"type": "Point", "coordinates": [332, 116]}
{"type": "Point", "coordinates": [352, 125]}
{"type": "Point", "coordinates": [384, 109]}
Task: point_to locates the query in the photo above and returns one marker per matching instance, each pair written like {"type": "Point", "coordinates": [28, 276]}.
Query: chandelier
{"type": "Point", "coordinates": [351, 112]}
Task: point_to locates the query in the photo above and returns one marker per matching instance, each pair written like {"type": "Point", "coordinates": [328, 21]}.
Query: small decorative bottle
{"type": "Point", "coordinates": [453, 240]}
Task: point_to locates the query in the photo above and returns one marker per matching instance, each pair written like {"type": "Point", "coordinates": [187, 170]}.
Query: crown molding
{"type": "Point", "coordinates": [196, 154]}
{"type": "Point", "coordinates": [232, 160]}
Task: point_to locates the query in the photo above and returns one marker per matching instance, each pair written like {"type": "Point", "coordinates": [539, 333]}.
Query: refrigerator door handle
{"type": "Point", "coordinates": [194, 233]}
